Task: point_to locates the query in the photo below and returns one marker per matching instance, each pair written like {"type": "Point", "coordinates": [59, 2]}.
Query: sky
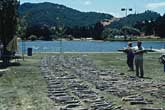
{"type": "Point", "coordinates": [109, 6]}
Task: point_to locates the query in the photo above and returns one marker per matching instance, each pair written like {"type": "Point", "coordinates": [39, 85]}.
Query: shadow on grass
{"type": "Point", "coordinates": [11, 64]}
{"type": "Point", "coordinates": [147, 78]}
{"type": "Point", "coordinates": [1, 74]}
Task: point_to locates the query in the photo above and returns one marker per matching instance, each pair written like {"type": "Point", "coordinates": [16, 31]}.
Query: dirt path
{"type": "Point", "coordinates": [75, 83]}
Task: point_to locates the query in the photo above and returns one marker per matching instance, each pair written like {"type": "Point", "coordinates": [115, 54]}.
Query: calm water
{"type": "Point", "coordinates": [83, 46]}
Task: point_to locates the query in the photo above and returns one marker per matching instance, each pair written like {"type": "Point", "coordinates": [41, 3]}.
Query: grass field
{"type": "Point", "coordinates": [23, 87]}
{"type": "Point", "coordinates": [153, 70]}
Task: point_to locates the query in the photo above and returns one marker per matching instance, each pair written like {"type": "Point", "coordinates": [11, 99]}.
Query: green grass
{"type": "Point", "coordinates": [23, 87]}
{"type": "Point", "coordinates": [152, 68]}
{"type": "Point", "coordinates": [117, 61]}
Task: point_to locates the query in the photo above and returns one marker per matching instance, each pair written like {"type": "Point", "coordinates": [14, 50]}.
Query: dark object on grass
{"type": "Point", "coordinates": [1, 74]}
{"type": "Point", "coordinates": [151, 109]}
{"type": "Point", "coordinates": [29, 53]}
{"type": "Point", "coordinates": [162, 59]}
{"type": "Point", "coordinates": [140, 102]}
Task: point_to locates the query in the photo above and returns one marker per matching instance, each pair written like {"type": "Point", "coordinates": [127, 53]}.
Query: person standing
{"type": "Point", "coordinates": [130, 56]}
{"type": "Point", "coordinates": [139, 50]}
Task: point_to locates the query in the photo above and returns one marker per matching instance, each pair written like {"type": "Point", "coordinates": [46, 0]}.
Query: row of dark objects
{"type": "Point", "coordinates": [97, 105]}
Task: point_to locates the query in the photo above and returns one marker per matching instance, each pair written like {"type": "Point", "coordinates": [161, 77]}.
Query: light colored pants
{"type": "Point", "coordinates": [139, 66]}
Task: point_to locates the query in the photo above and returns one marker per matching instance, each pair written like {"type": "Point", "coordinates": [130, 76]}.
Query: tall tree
{"type": "Point", "coordinates": [160, 27]}
{"type": "Point", "coordinates": [8, 23]}
{"type": "Point", "coordinates": [98, 29]}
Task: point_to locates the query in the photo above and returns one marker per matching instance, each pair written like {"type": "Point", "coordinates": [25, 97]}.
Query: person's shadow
{"type": "Point", "coordinates": [1, 74]}
{"type": "Point", "coordinates": [4, 66]}
{"type": "Point", "coordinates": [147, 78]}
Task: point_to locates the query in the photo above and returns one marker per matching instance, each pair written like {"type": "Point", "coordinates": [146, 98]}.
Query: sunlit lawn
{"type": "Point", "coordinates": [153, 69]}
{"type": "Point", "coordinates": [24, 88]}
{"type": "Point", "coordinates": [117, 61]}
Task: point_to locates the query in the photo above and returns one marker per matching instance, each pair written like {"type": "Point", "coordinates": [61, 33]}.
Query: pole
{"type": "Point", "coordinates": [61, 45]}
{"type": "Point", "coordinates": [126, 12]}
{"type": "Point", "coordinates": [23, 46]}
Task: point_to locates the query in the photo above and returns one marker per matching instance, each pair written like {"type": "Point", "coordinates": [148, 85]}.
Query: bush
{"type": "Point", "coordinates": [109, 33]}
{"type": "Point", "coordinates": [130, 31]}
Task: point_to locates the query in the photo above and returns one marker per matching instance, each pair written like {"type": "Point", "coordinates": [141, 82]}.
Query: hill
{"type": "Point", "coordinates": [132, 19]}
{"type": "Point", "coordinates": [54, 14]}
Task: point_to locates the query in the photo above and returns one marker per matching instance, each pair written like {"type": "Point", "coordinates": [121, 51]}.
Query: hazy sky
{"type": "Point", "coordinates": [110, 6]}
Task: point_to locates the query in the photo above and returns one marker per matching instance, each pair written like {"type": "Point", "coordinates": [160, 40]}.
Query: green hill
{"type": "Point", "coordinates": [132, 19]}
{"type": "Point", "coordinates": [55, 14]}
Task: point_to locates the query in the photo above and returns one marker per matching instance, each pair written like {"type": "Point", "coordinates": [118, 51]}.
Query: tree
{"type": "Point", "coordinates": [21, 31]}
{"type": "Point", "coordinates": [130, 31]}
{"type": "Point", "coordinates": [60, 32]}
{"type": "Point", "coordinates": [98, 29]}
{"type": "Point", "coordinates": [109, 33]}
{"type": "Point", "coordinates": [160, 27]}
{"type": "Point", "coordinates": [41, 31]}
{"type": "Point", "coordinates": [8, 24]}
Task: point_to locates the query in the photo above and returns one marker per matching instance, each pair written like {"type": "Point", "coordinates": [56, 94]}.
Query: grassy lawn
{"type": "Point", "coordinates": [23, 87]}
{"type": "Point", "coordinates": [117, 61]}
{"type": "Point", "coordinates": [153, 70]}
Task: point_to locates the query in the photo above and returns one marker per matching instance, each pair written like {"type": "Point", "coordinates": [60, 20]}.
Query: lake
{"type": "Point", "coordinates": [83, 46]}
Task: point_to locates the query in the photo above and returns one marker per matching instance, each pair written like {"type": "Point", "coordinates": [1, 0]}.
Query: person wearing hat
{"type": "Point", "coordinates": [139, 50]}
{"type": "Point", "coordinates": [130, 56]}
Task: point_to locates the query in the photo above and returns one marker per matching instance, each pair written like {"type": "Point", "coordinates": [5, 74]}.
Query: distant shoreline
{"type": "Point", "coordinates": [111, 40]}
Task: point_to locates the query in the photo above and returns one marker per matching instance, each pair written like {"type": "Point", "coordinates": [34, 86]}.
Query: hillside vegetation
{"type": "Point", "coordinates": [44, 20]}
{"type": "Point", "coordinates": [55, 14]}
{"type": "Point", "coordinates": [132, 19]}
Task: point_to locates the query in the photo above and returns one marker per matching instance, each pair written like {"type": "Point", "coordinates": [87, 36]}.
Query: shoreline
{"type": "Point", "coordinates": [161, 40]}
{"type": "Point", "coordinates": [81, 52]}
{"type": "Point", "coordinates": [110, 40]}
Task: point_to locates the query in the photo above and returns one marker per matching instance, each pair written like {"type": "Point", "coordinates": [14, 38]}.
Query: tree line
{"type": "Point", "coordinates": [98, 31]}
{"type": "Point", "coordinates": [44, 32]}
{"type": "Point", "coordinates": [152, 27]}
